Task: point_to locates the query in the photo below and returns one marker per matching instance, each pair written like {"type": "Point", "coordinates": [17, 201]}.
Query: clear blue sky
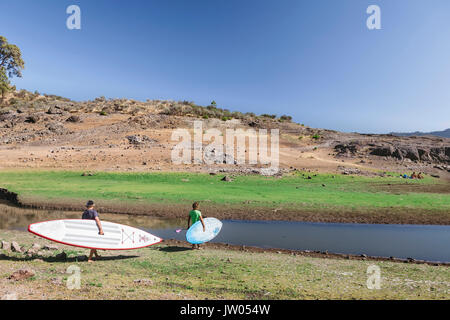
{"type": "Point", "coordinates": [312, 59]}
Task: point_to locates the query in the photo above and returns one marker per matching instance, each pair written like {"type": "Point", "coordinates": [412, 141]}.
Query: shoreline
{"type": "Point", "coordinates": [399, 216]}
{"type": "Point", "coordinates": [306, 253]}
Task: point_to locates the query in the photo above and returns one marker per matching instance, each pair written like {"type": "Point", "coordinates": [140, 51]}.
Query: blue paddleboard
{"type": "Point", "coordinates": [195, 234]}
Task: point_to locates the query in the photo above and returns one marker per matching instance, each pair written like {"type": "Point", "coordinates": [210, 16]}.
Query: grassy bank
{"type": "Point", "coordinates": [175, 272]}
{"type": "Point", "coordinates": [323, 192]}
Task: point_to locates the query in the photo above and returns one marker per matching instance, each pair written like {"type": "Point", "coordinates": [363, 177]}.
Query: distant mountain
{"type": "Point", "coordinates": [444, 133]}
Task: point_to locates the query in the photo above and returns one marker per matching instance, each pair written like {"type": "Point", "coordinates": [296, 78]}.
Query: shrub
{"type": "Point", "coordinates": [286, 118]}
{"type": "Point", "coordinates": [13, 101]}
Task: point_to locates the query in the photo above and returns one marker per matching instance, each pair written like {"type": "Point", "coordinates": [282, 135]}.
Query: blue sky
{"type": "Point", "coordinates": [312, 59]}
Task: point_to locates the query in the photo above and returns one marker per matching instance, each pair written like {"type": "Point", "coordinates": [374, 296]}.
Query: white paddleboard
{"type": "Point", "coordinates": [196, 235]}
{"type": "Point", "coordinates": [84, 234]}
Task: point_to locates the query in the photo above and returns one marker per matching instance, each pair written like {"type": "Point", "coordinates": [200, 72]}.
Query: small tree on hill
{"type": "Point", "coordinates": [4, 82]}
{"type": "Point", "coordinates": [11, 64]}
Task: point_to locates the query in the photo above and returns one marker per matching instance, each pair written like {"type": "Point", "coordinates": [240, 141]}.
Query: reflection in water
{"type": "Point", "coordinates": [430, 243]}
{"type": "Point", "coordinates": [14, 218]}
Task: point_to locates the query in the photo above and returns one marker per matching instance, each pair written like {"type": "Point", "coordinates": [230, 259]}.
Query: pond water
{"type": "Point", "coordinates": [422, 242]}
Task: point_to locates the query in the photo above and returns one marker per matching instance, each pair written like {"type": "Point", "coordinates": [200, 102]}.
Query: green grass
{"type": "Point", "coordinates": [351, 192]}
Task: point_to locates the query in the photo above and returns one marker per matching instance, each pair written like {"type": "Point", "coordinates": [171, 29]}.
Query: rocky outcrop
{"type": "Point", "coordinates": [413, 153]}
{"type": "Point", "coordinates": [16, 247]}
{"type": "Point", "coordinates": [140, 140]}
{"type": "Point", "coordinates": [22, 274]}
{"type": "Point", "coordinates": [9, 196]}
{"type": "Point", "coordinates": [348, 148]}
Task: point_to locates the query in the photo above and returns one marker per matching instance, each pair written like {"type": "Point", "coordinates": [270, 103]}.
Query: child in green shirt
{"type": "Point", "coordinates": [195, 215]}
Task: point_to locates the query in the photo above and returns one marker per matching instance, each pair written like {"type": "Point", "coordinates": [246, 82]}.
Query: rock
{"type": "Point", "coordinates": [349, 171]}
{"type": "Point", "coordinates": [34, 248]}
{"type": "Point", "coordinates": [43, 254]}
{"type": "Point", "coordinates": [269, 171]}
{"type": "Point", "coordinates": [54, 110]}
{"type": "Point", "coordinates": [8, 116]}
{"type": "Point", "coordinates": [15, 247]}
{"type": "Point", "coordinates": [32, 118]}
{"type": "Point", "coordinates": [22, 274]}
{"type": "Point", "coordinates": [385, 151]}
{"type": "Point", "coordinates": [227, 179]}
{"type": "Point", "coordinates": [6, 246]}
{"type": "Point", "coordinates": [347, 149]}
{"type": "Point", "coordinates": [146, 282]}
{"type": "Point", "coordinates": [74, 119]}
{"type": "Point", "coordinates": [51, 247]}
{"type": "Point", "coordinates": [139, 140]}
{"type": "Point", "coordinates": [55, 127]}
{"type": "Point", "coordinates": [57, 281]}
{"type": "Point", "coordinates": [406, 152]}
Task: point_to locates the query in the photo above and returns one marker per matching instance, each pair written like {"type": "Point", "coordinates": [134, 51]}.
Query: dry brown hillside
{"type": "Point", "coordinates": [51, 132]}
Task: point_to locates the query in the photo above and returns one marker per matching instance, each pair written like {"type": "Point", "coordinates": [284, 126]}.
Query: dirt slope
{"type": "Point", "coordinates": [51, 132]}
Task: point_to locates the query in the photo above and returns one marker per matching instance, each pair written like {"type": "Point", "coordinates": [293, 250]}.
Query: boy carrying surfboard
{"type": "Point", "coordinates": [195, 215]}
{"type": "Point", "coordinates": [91, 214]}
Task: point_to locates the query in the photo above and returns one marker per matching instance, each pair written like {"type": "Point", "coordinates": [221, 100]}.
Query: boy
{"type": "Point", "coordinates": [195, 215]}
{"type": "Point", "coordinates": [92, 214]}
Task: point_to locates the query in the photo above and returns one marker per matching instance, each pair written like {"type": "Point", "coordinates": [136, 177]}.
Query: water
{"type": "Point", "coordinates": [421, 242]}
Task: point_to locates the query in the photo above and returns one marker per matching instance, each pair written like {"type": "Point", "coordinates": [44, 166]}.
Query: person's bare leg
{"type": "Point", "coordinates": [96, 254]}
{"type": "Point", "coordinates": [90, 256]}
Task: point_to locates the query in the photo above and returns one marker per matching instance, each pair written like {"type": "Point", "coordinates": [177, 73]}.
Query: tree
{"type": "Point", "coordinates": [11, 64]}
{"type": "Point", "coordinates": [4, 82]}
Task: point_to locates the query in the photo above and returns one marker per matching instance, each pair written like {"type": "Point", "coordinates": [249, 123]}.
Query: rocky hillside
{"type": "Point", "coordinates": [443, 134]}
{"type": "Point", "coordinates": [48, 131]}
